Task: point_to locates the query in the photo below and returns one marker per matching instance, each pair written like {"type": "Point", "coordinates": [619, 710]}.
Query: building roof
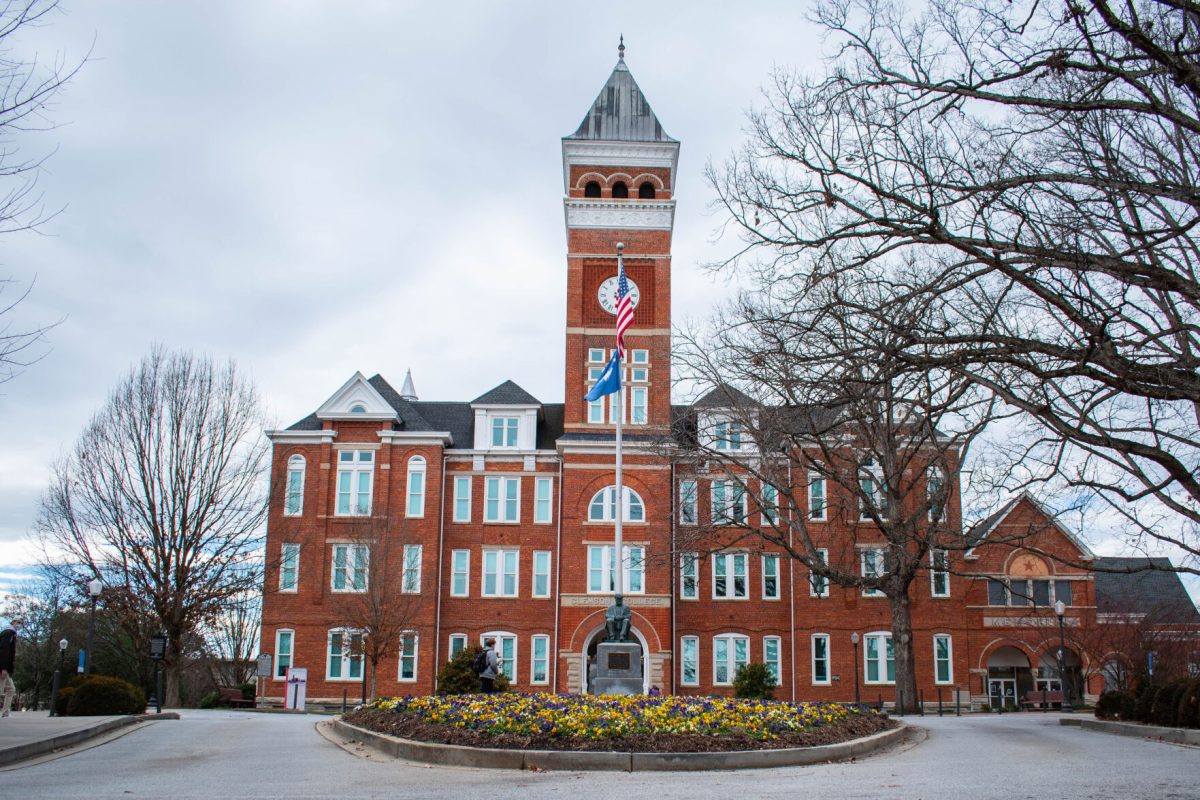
{"type": "Point", "coordinates": [1143, 586]}
{"type": "Point", "coordinates": [621, 112]}
{"type": "Point", "coordinates": [506, 394]}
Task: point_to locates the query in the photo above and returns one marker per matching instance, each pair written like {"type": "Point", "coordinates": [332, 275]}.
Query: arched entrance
{"type": "Point", "coordinates": [589, 653]}
{"type": "Point", "coordinates": [1009, 676]}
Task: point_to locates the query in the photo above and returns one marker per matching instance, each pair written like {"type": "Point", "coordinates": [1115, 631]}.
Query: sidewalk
{"type": "Point", "coordinates": [25, 734]}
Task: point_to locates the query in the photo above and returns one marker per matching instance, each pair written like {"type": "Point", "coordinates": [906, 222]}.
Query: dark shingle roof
{"type": "Point", "coordinates": [410, 418]}
{"type": "Point", "coordinates": [724, 396]}
{"type": "Point", "coordinates": [309, 423]}
{"type": "Point", "coordinates": [507, 394]}
{"type": "Point", "coordinates": [621, 113]}
{"type": "Point", "coordinates": [1153, 591]}
{"type": "Point", "coordinates": [457, 418]}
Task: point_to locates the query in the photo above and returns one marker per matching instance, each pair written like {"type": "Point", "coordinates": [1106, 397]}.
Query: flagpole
{"type": "Point", "coordinates": [618, 544]}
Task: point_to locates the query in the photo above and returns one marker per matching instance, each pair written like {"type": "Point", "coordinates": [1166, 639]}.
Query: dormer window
{"type": "Point", "coordinates": [592, 189]}
{"type": "Point", "coordinates": [504, 431]}
{"type": "Point", "coordinates": [729, 435]}
{"type": "Point", "coordinates": [620, 190]}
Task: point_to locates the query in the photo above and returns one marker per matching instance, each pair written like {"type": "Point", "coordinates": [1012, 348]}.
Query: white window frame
{"type": "Point", "coordinates": [689, 563]}
{"type": "Point", "coordinates": [465, 572]}
{"type": "Point", "coordinates": [502, 555]}
{"type": "Point", "coordinates": [688, 509]}
{"type": "Point", "coordinates": [462, 498]}
{"type": "Point", "coordinates": [277, 675]}
{"type": "Point", "coordinates": [414, 495]}
{"type": "Point", "coordinates": [935, 482]}
{"type": "Point", "coordinates": [604, 502]}
{"type": "Point", "coordinates": [728, 642]}
{"type": "Point", "coordinates": [415, 638]}
{"type": "Point", "coordinates": [356, 467]}
{"type": "Point", "coordinates": [814, 660]}
{"type": "Point", "coordinates": [877, 563]}
{"type": "Point", "coordinates": [543, 501]}
{"type": "Point", "coordinates": [949, 660]}
{"type": "Point", "coordinates": [507, 665]}
{"type": "Point", "coordinates": [813, 577]}
{"type": "Point", "coordinates": [686, 642]}
{"type": "Point", "coordinates": [729, 562]}
{"type": "Point", "coordinates": [934, 572]}
{"type": "Point", "coordinates": [634, 554]}
{"type": "Point", "coordinates": [818, 501]}
{"type": "Point", "coordinates": [293, 496]}
{"type": "Point", "coordinates": [346, 658]}
{"type": "Point", "coordinates": [354, 553]}
{"type": "Point", "coordinates": [769, 511]}
{"type": "Point", "coordinates": [639, 405]}
{"type": "Point", "coordinates": [411, 578]}
{"type": "Point", "coordinates": [544, 575]}
{"type": "Point", "coordinates": [290, 553]}
{"type": "Point", "coordinates": [456, 638]}
{"type": "Point", "coordinates": [775, 560]}
{"type": "Point", "coordinates": [728, 435]}
{"type": "Point", "coordinates": [876, 497]}
{"type": "Point", "coordinates": [533, 660]}
{"type": "Point", "coordinates": [506, 514]}
{"type": "Point", "coordinates": [597, 355]}
{"type": "Point", "coordinates": [883, 641]}
{"type": "Point", "coordinates": [775, 664]}
{"type": "Point", "coordinates": [509, 430]}
{"type": "Point", "coordinates": [639, 357]}
{"type": "Point", "coordinates": [725, 495]}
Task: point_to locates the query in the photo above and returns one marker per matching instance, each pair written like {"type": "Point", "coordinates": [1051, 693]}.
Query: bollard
{"type": "Point", "coordinates": [939, 701]}
{"type": "Point", "coordinates": [1045, 705]}
{"type": "Point", "coordinates": [921, 707]}
{"type": "Point", "coordinates": [957, 709]}
{"type": "Point", "coordinates": [343, 701]}
{"type": "Point", "coordinates": [879, 702]}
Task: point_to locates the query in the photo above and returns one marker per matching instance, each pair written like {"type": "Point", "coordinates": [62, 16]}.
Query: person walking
{"type": "Point", "coordinates": [491, 669]}
{"type": "Point", "coordinates": [8, 658]}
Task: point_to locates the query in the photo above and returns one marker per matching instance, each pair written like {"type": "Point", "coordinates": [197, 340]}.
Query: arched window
{"type": "Point", "coordinates": [293, 500]}
{"type": "Point", "coordinates": [603, 507]}
{"type": "Point", "coordinates": [416, 487]}
{"type": "Point", "coordinates": [620, 190]}
{"type": "Point", "coordinates": [646, 191]}
{"type": "Point", "coordinates": [358, 408]}
{"type": "Point", "coordinates": [592, 189]}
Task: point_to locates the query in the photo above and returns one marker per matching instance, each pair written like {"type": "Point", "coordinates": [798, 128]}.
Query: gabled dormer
{"type": "Point", "coordinates": [725, 419]}
{"type": "Point", "coordinates": [506, 419]}
{"type": "Point", "coordinates": [357, 400]}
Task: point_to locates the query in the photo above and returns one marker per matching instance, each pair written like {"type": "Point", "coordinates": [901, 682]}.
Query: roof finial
{"type": "Point", "coordinates": [621, 49]}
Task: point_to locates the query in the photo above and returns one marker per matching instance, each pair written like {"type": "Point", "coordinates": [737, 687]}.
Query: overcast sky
{"type": "Point", "coordinates": [314, 188]}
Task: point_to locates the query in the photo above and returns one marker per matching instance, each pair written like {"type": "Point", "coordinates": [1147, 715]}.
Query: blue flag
{"type": "Point", "coordinates": [610, 379]}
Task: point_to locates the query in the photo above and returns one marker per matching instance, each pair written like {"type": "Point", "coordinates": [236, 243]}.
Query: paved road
{"type": "Point", "coordinates": [216, 754]}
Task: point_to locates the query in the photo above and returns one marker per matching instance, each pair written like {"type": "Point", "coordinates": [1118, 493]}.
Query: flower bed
{"type": "Point", "coordinates": [634, 723]}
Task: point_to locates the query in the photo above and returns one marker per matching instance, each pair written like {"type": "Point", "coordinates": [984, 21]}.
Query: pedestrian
{"type": "Point", "coordinates": [491, 669]}
{"type": "Point", "coordinates": [8, 657]}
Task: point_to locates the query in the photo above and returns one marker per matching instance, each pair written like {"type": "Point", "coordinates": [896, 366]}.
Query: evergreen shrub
{"type": "Point", "coordinates": [101, 695]}
{"type": "Point", "coordinates": [755, 681]}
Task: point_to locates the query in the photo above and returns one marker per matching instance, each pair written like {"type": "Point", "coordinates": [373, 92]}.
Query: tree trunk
{"type": "Point", "coordinates": [902, 647]}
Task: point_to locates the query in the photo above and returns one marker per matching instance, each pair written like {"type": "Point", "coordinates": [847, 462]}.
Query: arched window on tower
{"type": "Point", "coordinates": [620, 190]}
{"type": "Point", "coordinates": [592, 189]}
{"type": "Point", "coordinates": [646, 191]}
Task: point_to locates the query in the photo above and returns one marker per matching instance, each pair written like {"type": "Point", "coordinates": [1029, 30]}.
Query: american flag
{"type": "Point", "coordinates": [624, 306]}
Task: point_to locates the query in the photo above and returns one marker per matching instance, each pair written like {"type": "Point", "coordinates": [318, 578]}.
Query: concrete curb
{"type": "Point", "coordinates": [38, 747]}
{"type": "Point", "coordinates": [574, 761]}
{"type": "Point", "coordinates": [1138, 730]}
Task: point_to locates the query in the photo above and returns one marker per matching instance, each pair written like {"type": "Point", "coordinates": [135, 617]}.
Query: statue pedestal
{"type": "Point", "coordinates": [618, 669]}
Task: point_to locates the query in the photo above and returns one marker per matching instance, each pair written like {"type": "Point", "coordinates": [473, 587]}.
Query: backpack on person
{"type": "Point", "coordinates": [480, 664]}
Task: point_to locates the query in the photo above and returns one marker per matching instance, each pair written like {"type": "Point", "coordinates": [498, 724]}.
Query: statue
{"type": "Point", "coordinates": [617, 621]}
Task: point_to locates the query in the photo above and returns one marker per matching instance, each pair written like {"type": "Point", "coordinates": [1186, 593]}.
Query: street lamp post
{"type": "Point", "coordinates": [1059, 609]}
{"type": "Point", "coordinates": [95, 587]}
{"type": "Point", "coordinates": [854, 641]}
{"type": "Point", "coordinates": [57, 681]}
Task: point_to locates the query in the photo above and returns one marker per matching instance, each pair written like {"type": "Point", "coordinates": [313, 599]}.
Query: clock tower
{"type": "Point", "coordinates": [619, 180]}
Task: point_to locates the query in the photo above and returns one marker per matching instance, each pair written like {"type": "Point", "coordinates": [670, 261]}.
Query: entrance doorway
{"type": "Point", "coordinates": [1002, 692]}
{"type": "Point", "coordinates": [1009, 676]}
{"type": "Point", "coordinates": [589, 657]}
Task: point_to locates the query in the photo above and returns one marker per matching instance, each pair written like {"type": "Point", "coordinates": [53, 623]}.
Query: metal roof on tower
{"type": "Point", "coordinates": [621, 112]}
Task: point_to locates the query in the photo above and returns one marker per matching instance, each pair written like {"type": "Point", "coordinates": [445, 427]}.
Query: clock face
{"type": "Point", "coordinates": [608, 294]}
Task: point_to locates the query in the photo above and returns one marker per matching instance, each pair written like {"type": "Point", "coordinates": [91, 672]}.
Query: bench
{"type": "Point", "coordinates": [1043, 700]}
{"type": "Point", "coordinates": [234, 697]}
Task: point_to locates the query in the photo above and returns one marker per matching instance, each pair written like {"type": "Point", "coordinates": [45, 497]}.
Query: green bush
{"type": "Point", "coordinates": [100, 695]}
{"type": "Point", "coordinates": [754, 681]}
{"type": "Point", "coordinates": [457, 677]}
{"type": "Point", "coordinates": [1145, 699]}
{"type": "Point", "coordinates": [1166, 704]}
{"type": "Point", "coordinates": [1112, 705]}
{"type": "Point", "coordinates": [64, 700]}
{"type": "Point", "coordinates": [210, 700]}
{"type": "Point", "coordinates": [1188, 715]}
{"type": "Point", "coordinates": [249, 691]}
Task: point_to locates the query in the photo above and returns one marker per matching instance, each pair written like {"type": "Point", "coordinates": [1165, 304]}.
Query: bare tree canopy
{"type": "Point", "coordinates": [163, 499]}
{"type": "Point", "coordinates": [1028, 173]}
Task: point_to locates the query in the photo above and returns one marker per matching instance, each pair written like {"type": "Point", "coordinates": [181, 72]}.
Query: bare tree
{"type": "Point", "coordinates": [1030, 170]}
{"type": "Point", "coordinates": [818, 396]}
{"type": "Point", "coordinates": [231, 640]}
{"type": "Point", "coordinates": [162, 499]}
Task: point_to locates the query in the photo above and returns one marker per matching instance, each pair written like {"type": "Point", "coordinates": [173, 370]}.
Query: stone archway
{"type": "Point", "coordinates": [589, 651]}
{"type": "Point", "coordinates": [1009, 676]}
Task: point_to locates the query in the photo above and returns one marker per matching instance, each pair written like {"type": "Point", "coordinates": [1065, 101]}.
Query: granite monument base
{"type": "Point", "coordinates": [618, 668]}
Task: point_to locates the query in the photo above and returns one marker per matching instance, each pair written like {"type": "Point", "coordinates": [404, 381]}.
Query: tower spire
{"type": "Point", "coordinates": [621, 49]}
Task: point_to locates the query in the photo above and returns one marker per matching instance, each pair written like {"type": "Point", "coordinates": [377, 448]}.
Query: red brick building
{"type": "Point", "coordinates": [495, 516]}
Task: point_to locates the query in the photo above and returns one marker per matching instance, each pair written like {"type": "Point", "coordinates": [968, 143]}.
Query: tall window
{"type": "Point", "coordinates": [504, 431]}
{"type": "Point", "coordinates": [817, 506]}
{"type": "Point", "coordinates": [730, 651]}
{"type": "Point", "coordinates": [729, 435]}
{"type": "Point", "coordinates": [942, 659]}
{"type": "Point", "coordinates": [872, 567]}
{"type": "Point", "coordinates": [345, 655]}
{"type": "Point", "coordinates": [506, 652]}
{"type": "Point", "coordinates": [596, 407]}
{"type": "Point", "coordinates": [637, 404]}
{"type": "Point", "coordinates": [502, 499]}
{"type": "Point", "coordinates": [770, 577]}
{"type": "Point", "coordinates": [602, 569]}
{"type": "Point", "coordinates": [289, 568]}
{"type": "Point", "coordinates": [689, 576]}
{"type": "Point", "coordinates": [412, 569]}
{"type": "Point", "coordinates": [603, 507]}
{"type": "Point", "coordinates": [350, 567]}
{"type": "Point", "coordinates": [355, 475]}
{"type": "Point", "coordinates": [728, 503]}
{"type": "Point", "coordinates": [283, 651]}
{"type": "Point", "coordinates": [462, 498]}
{"type": "Point", "coordinates": [460, 573]}
{"type": "Point", "coordinates": [872, 490]}
{"type": "Point", "coordinates": [818, 584]}
{"type": "Point", "coordinates": [539, 672]}
{"type": "Point", "coordinates": [729, 576]}
{"type": "Point", "coordinates": [458, 643]}
{"type": "Point", "coordinates": [541, 573]}
{"type": "Point", "coordinates": [689, 661]}
{"type": "Point", "coordinates": [500, 573]}
{"type": "Point", "coordinates": [820, 659]}
{"type": "Point", "coordinates": [770, 504]}
{"type": "Point", "coordinates": [687, 502]}
{"type": "Point", "coordinates": [408, 657]}
{"type": "Point", "coordinates": [771, 649]}
{"type": "Point", "coordinates": [293, 500]}
{"type": "Point", "coordinates": [880, 659]}
{"type": "Point", "coordinates": [543, 493]}
{"type": "Point", "coordinates": [935, 490]}
{"type": "Point", "coordinates": [939, 573]}
{"type": "Point", "coordinates": [416, 487]}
